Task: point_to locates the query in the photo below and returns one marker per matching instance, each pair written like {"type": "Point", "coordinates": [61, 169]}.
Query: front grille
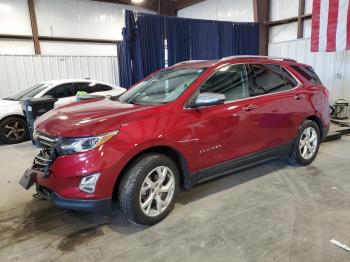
{"type": "Point", "coordinates": [46, 140]}
{"type": "Point", "coordinates": [47, 155]}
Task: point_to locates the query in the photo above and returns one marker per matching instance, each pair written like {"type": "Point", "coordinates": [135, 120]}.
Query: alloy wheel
{"type": "Point", "coordinates": [14, 130]}
{"type": "Point", "coordinates": [157, 191]}
{"type": "Point", "coordinates": [308, 143]}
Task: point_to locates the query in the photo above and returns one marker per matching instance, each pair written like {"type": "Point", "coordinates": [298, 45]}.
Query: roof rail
{"type": "Point", "coordinates": [258, 57]}
{"type": "Point", "coordinates": [188, 62]}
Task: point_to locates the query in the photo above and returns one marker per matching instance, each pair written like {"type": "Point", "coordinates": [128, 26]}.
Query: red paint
{"type": "Point", "coordinates": [204, 137]}
{"type": "Point", "coordinates": [332, 25]}
{"type": "Point", "coordinates": [315, 32]}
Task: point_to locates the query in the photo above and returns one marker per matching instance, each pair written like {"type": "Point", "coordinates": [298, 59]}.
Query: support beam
{"type": "Point", "coordinates": [301, 12]}
{"type": "Point", "coordinates": [288, 20]}
{"type": "Point", "coordinates": [77, 40]}
{"type": "Point", "coordinates": [261, 10]}
{"type": "Point", "coordinates": [34, 25]}
{"type": "Point", "coordinates": [16, 37]}
{"type": "Point", "coordinates": [159, 6]}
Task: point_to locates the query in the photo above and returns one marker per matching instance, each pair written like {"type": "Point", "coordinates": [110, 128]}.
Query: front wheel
{"type": "Point", "coordinates": [307, 143]}
{"type": "Point", "coordinates": [13, 130]}
{"type": "Point", "coordinates": [148, 189]}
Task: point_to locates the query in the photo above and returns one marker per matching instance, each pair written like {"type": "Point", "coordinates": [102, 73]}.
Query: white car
{"type": "Point", "coordinates": [13, 126]}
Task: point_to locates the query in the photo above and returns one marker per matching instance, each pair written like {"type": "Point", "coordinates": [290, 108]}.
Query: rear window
{"type": "Point", "coordinates": [308, 73]}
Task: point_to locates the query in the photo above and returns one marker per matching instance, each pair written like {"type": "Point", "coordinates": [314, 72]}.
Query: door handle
{"type": "Point", "coordinates": [298, 97]}
{"type": "Point", "coordinates": [249, 107]}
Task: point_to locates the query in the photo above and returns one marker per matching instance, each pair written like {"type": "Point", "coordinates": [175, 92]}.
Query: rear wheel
{"type": "Point", "coordinates": [148, 190]}
{"type": "Point", "coordinates": [13, 130]}
{"type": "Point", "coordinates": [307, 143]}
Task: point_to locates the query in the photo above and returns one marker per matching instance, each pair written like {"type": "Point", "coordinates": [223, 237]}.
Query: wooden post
{"type": "Point", "coordinates": [34, 25]}
{"type": "Point", "coordinates": [301, 12]}
{"type": "Point", "coordinates": [261, 10]}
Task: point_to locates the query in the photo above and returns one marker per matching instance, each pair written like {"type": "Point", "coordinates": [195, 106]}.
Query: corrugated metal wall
{"type": "Point", "coordinates": [63, 18]}
{"type": "Point", "coordinates": [333, 68]}
{"type": "Point", "coordinates": [226, 10]}
{"type": "Point", "coordinates": [20, 71]}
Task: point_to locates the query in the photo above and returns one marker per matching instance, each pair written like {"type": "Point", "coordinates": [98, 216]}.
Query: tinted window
{"type": "Point", "coordinates": [84, 87]}
{"type": "Point", "coordinates": [90, 87]}
{"type": "Point", "coordinates": [102, 88]}
{"type": "Point", "coordinates": [30, 92]}
{"type": "Point", "coordinates": [266, 79]}
{"type": "Point", "coordinates": [231, 80]}
{"type": "Point", "coordinates": [61, 91]}
{"type": "Point", "coordinates": [290, 80]}
{"type": "Point", "coordinates": [308, 72]}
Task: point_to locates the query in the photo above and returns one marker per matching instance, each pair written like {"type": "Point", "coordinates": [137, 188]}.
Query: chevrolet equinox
{"type": "Point", "coordinates": [180, 126]}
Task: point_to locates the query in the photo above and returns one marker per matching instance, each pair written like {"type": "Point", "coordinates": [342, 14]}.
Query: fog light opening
{"type": "Point", "coordinates": [88, 183]}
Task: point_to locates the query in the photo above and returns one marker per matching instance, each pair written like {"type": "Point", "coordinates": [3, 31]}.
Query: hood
{"type": "Point", "coordinates": [89, 118]}
{"type": "Point", "coordinates": [5, 102]}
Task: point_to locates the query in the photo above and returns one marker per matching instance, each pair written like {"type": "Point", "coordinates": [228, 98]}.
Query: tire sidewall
{"type": "Point", "coordinates": [161, 160]}
{"type": "Point", "coordinates": [296, 150]}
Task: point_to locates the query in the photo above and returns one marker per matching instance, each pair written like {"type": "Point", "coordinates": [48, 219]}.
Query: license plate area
{"type": "Point", "coordinates": [28, 178]}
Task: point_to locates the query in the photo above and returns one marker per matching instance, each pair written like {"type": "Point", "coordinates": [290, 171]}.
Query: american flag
{"type": "Point", "coordinates": [330, 25]}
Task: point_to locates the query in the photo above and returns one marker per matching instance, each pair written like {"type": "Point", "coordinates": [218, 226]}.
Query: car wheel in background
{"type": "Point", "coordinates": [148, 189]}
{"type": "Point", "coordinates": [306, 144]}
{"type": "Point", "coordinates": [13, 130]}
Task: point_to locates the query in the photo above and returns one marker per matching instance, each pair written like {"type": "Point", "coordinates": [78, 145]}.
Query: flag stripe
{"type": "Point", "coordinates": [342, 25]}
{"type": "Point", "coordinates": [332, 25]}
{"type": "Point", "coordinates": [348, 29]}
{"type": "Point", "coordinates": [323, 25]}
{"type": "Point", "coordinates": [315, 25]}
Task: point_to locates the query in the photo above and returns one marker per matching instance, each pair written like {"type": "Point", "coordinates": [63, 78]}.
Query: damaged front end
{"type": "Point", "coordinates": [41, 164]}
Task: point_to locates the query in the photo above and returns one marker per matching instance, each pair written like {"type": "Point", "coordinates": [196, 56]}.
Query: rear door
{"type": "Point", "coordinates": [280, 104]}
{"type": "Point", "coordinates": [222, 132]}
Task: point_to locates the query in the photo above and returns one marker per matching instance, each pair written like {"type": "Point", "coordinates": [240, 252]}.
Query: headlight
{"type": "Point", "coordinates": [77, 145]}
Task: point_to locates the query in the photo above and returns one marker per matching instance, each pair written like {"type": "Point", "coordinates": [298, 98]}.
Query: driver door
{"type": "Point", "coordinates": [222, 132]}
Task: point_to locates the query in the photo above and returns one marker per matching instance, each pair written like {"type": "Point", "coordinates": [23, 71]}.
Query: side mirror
{"type": "Point", "coordinates": [209, 99]}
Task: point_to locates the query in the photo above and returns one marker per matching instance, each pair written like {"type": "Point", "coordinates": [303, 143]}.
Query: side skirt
{"type": "Point", "coordinates": [239, 164]}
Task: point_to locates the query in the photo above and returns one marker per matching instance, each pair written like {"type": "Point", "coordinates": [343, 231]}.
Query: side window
{"type": "Point", "coordinates": [91, 87]}
{"type": "Point", "coordinates": [83, 87]}
{"type": "Point", "coordinates": [266, 79]}
{"type": "Point", "coordinates": [61, 91]}
{"type": "Point", "coordinates": [308, 73]}
{"type": "Point", "coordinates": [230, 80]}
{"type": "Point", "coordinates": [102, 88]}
{"type": "Point", "coordinates": [290, 80]}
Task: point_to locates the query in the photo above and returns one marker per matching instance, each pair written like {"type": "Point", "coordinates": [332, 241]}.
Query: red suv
{"type": "Point", "coordinates": [180, 126]}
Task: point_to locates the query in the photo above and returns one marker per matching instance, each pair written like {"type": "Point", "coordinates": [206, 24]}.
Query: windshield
{"type": "Point", "coordinates": [29, 92]}
{"type": "Point", "coordinates": [164, 87]}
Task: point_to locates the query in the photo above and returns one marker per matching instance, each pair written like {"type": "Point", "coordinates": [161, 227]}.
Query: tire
{"type": "Point", "coordinates": [305, 148]}
{"type": "Point", "coordinates": [144, 174]}
{"type": "Point", "coordinates": [13, 130]}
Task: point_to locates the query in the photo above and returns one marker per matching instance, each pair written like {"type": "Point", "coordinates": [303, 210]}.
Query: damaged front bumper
{"type": "Point", "coordinates": [57, 178]}
{"type": "Point", "coordinates": [30, 177]}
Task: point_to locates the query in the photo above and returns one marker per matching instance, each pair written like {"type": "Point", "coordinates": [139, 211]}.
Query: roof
{"type": "Point", "coordinates": [64, 81]}
{"type": "Point", "coordinates": [210, 63]}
